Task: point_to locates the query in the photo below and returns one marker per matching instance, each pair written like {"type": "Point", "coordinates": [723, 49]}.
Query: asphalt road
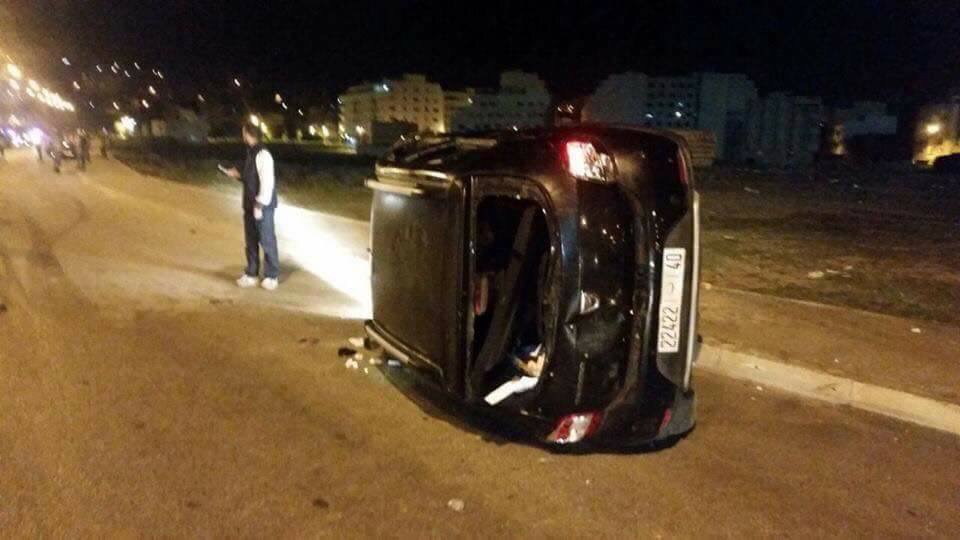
{"type": "Point", "coordinates": [141, 394]}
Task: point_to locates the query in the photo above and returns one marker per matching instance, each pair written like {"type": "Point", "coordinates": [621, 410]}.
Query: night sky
{"type": "Point", "coordinates": [896, 50]}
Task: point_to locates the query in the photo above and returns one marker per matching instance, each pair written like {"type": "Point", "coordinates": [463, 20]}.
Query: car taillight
{"type": "Point", "coordinates": [682, 163]}
{"type": "Point", "coordinates": [586, 162]}
{"type": "Point", "coordinates": [575, 428]}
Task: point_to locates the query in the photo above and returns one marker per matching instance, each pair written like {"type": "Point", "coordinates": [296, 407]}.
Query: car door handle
{"type": "Point", "coordinates": [396, 189]}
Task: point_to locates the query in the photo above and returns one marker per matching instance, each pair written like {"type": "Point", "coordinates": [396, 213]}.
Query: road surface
{"type": "Point", "coordinates": [143, 394]}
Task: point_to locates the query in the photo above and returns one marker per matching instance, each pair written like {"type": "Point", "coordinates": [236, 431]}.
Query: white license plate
{"type": "Point", "coordinates": [671, 299]}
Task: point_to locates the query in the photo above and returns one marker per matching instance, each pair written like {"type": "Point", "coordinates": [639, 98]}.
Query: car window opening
{"type": "Point", "coordinates": [511, 267]}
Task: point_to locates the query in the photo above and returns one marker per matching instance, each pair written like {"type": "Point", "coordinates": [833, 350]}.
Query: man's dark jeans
{"type": "Point", "coordinates": [261, 233]}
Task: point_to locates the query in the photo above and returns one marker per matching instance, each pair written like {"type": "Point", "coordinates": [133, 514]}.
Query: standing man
{"type": "Point", "coordinates": [259, 204]}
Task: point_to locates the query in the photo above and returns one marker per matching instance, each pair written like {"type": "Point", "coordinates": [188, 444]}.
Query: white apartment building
{"type": "Point", "coordinates": [785, 130]}
{"type": "Point", "coordinates": [866, 118]}
{"type": "Point", "coordinates": [522, 101]}
{"type": "Point", "coordinates": [454, 101]}
{"type": "Point", "coordinates": [411, 98]}
{"type": "Point", "coordinates": [715, 102]}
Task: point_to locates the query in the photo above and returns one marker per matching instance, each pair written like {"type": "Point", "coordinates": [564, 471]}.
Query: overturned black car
{"type": "Point", "coordinates": [551, 275]}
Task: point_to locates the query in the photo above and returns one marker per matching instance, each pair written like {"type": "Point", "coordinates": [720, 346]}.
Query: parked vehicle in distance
{"type": "Point", "coordinates": [549, 275]}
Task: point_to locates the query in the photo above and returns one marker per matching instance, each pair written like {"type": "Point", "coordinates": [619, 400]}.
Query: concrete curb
{"type": "Point", "coordinates": [830, 388]}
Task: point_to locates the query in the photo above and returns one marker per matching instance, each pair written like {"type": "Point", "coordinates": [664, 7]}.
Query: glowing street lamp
{"type": "Point", "coordinates": [14, 71]}
{"type": "Point", "coordinates": [255, 120]}
{"type": "Point", "coordinates": [126, 126]}
{"type": "Point", "coordinates": [933, 128]}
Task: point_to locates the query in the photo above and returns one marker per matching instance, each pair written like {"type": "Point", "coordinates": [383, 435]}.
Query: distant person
{"type": "Point", "coordinates": [104, 145]}
{"type": "Point", "coordinates": [83, 143]}
{"type": "Point", "coordinates": [56, 154]}
{"type": "Point", "coordinates": [259, 203]}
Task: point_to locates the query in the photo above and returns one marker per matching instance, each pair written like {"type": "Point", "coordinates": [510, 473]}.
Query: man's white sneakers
{"type": "Point", "coordinates": [245, 282]}
{"type": "Point", "coordinates": [270, 284]}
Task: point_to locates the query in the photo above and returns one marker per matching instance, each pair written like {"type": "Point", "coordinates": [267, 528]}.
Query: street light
{"type": "Point", "coordinates": [933, 128]}
{"type": "Point", "coordinates": [14, 71]}
{"type": "Point", "coordinates": [126, 126]}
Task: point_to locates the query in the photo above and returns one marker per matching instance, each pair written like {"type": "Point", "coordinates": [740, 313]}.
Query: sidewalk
{"type": "Point", "coordinates": [866, 347]}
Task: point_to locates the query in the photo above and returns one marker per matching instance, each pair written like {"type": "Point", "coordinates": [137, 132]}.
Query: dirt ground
{"type": "Point", "coordinates": [880, 240]}
{"type": "Point", "coordinates": [144, 395]}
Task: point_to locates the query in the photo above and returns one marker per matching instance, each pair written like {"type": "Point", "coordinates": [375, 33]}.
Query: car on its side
{"type": "Point", "coordinates": [549, 275]}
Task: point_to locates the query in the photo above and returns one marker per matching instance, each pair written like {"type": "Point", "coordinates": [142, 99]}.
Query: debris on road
{"type": "Point", "coordinates": [706, 285]}
{"type": "Point", "coordinates": [816, 274]}
{"type": "Point", "coordinates": [374, 361]}
{"type": "Point", "coordinates": [916, 330]}
{"type": "Point", "coordinates": [356, 342]}
{"type": "Point", "coordinates": [351, 364]}
{"type": "Point", "coordinates": [759, 388]}
{"type": "Point", "coordinates": [457, 505]}
{"type": "Point", "coordinates": [3, 308]}
{"type": "Point", "coordinates": [344, 352]}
